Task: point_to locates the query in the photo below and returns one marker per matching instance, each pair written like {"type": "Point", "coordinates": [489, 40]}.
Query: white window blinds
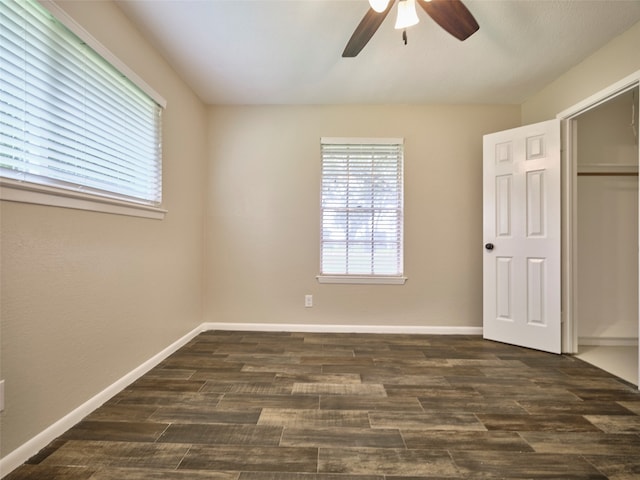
{"type": "Point", "coordinates": [68, 118]}
{"type": "Point", "coordinates": [362, 207]}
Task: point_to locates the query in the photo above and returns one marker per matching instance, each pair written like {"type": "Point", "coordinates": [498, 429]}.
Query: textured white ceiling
{"type": "Point", "coordinates": [289, 51]}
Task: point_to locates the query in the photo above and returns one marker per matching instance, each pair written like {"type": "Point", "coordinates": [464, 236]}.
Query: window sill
{"type": "Point", "coordinates": [362, 279]}
{"type": "Point", "coordinates": [14, 191]}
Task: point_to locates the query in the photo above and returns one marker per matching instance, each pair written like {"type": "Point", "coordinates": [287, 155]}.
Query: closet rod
{"type": "Point", "coordinates": [607, 174]}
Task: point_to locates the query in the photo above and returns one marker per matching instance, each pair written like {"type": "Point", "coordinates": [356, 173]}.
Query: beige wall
{"type": "Point", "coordinates": [613, 62]}
{"type": "Point", "coordinates": [263, 214]}
{"type": "Point", "coordinates": [87, 297]}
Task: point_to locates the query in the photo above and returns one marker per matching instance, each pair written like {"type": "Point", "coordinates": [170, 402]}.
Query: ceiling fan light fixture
{"type": "Point", "coordinates": [379, 5]}
{"type": "Point", "coordinates": [407, 15]}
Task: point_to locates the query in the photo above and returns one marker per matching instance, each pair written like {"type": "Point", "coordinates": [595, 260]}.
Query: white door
{"type": "Point", "coordinates": [521, 267]}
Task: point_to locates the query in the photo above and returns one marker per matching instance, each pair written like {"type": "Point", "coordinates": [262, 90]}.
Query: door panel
{"type": "Point", "coordinates": [521, 205]}
{"type": "Point", "coordinates": [535, 204]}
{"type": "Point", "coordinates": [503, 205]}
{"type": "Point", "coordinates": [504, 288]}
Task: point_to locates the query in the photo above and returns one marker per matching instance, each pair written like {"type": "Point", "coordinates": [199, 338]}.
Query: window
{"type": "Point", "coordinates": [362, 211]}
{"type": "Point", "coordinates": [70, 122]}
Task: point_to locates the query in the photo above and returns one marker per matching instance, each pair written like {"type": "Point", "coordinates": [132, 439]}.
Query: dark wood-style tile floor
{"type": "Point", "coordinates": [308, 406]}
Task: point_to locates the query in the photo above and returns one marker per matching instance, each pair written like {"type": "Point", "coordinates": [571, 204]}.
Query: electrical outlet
{"type": "Point", "coordinates": [308, 301]}
{"type": "Point", "coordinates": [1, 395]}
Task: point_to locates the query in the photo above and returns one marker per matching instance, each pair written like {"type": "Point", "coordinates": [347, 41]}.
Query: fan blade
{"type": "Point", "coordinates": [451, 15]}
{"type": "Point", "coordinates": [365, 30]}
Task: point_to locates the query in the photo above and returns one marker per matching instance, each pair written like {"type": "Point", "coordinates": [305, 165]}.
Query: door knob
{"type": "Point", "coordinates": [488, 246]}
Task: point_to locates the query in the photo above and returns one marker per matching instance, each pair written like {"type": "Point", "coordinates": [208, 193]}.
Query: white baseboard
{"type": "Point", "coordinates": [27, 450]}
{"type": "Point", "coordinates": [318, 328]}
{"type": "Point", "coordinates": [608, 341]}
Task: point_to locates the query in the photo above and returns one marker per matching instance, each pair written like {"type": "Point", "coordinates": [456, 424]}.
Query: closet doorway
{"type": "Point", "coordinates": [606, 235]}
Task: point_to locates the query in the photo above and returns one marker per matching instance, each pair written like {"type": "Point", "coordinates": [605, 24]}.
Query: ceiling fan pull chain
{"type": "Point", "coordinates": [404, 36]}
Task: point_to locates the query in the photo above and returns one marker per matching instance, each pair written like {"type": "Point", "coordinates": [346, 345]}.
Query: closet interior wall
{"type": "Point", "coordinates": [608, 224]}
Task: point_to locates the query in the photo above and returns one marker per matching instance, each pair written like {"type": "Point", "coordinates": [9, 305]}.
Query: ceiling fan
{"type": "Point", "coordinates": [451, 15]}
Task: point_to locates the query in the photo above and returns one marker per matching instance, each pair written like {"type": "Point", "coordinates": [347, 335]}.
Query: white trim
{"type": "Point", "coordinates": [608, 341]}
{"type": "Point", "coordinates": [328, 328]}
{"type": "Point", "coordinates": [21, 454]}
{"type": "Point", "coordinates": [28, 449]}
{"type": "Point", "coordinates": [362, 279]}
{"type": "Point", "coordinates": [569, 216]}
{"type": "Point", "coordinates": [63, 17]}
{"type": "Point", "coordinates": [569, 213]}
{"type": "Point", "coordinates": [14, 191]}
{"type": "Point", "coordinates": [362, 141]}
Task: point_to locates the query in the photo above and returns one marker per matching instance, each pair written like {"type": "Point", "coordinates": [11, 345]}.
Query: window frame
{"type": "Point", "coordinates": [350, 278]}
{"type": "Point", "coordinates": [24, 191]}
